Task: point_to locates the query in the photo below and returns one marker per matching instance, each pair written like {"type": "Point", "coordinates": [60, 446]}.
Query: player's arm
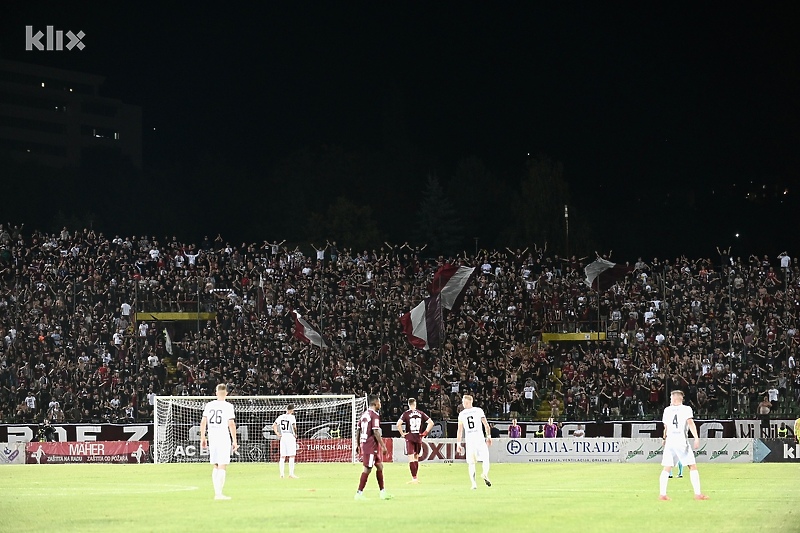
{"type": "Point", "coordinates": [693, 431]}
{"type": "Point", "coordinates": [275, 428]}
{"type": "Point", "coordinates": [232, 429]}
{"type": "Point", "coordinates": [294, 429]}
{"type": "Point", "coordinates": [488, 431]}
{"type": "Point", "coordinates": [358, 438]}
{"type": "Point", "coordinates": [378, 434]}
{"type": "Point", "coordinates": [428, 428]}
{"type": "Point", "coordinates": [459, 434]}
{"type": "Point", "coordinates": [203, 425]}
{"type": "Point", "coordinates": [400, 427]}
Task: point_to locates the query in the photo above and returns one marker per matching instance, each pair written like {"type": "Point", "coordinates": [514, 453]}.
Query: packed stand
{"type": "Point", "coordinates": [73, 350]}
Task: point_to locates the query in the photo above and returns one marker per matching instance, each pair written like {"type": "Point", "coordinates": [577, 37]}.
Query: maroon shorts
{"type": "Point", "coordinates": [371, 456]}
{"type": "Point", "coordinates": [413, 445]}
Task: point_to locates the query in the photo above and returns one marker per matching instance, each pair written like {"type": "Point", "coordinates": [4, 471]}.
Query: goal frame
{"type": "Point", "coordinates": [286, 399]}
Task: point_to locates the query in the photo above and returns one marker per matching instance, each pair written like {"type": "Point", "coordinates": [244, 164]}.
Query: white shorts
{"type": "Point", "coordinates": [219, 453]}
{"type": "Point", "coordinates": [477, 450]}
{"type": "Point", "coordinates": [677, 452]}
{"type": "Point", "coordinates": [288, 446]}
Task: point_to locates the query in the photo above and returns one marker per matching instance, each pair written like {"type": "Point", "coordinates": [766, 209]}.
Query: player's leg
{"type": "Point", "coordinates": [285, 452]}
{"type": "Point", "coordinates": [680, 469]}
{"type": "Point", "coordinates": [694, 477]}
{"type": "Point", "coordinates": [413, 449]}
{"type": "Point", "coordinates": [368, 460]}
{"type": "Point", "coordinates": [212, 457]}
{"type": "Point", "coordinates": [222, 459]}
{"type": "Point", "coordinates": [687, 458]}
{"type": "Point", "coordinates": [363, 483]}
{"type": "Point", "coordinates": [222, 473]}
{"type": "Point", "coordinates": [484, 457]}
{"type": "Point", "coordinates": [413, 466]}
{"type": "Point", "coordinates": [291, 467]}
{"type": "Point", "coordinates": [470, 457]}
{"type": "Point", "coordinates": [379, 476]}
{"type": "Point", "coordinates": [667, 462]}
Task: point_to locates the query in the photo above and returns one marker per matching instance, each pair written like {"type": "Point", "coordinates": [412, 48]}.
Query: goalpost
{"type": "Point", "coordinates": [326, 427]}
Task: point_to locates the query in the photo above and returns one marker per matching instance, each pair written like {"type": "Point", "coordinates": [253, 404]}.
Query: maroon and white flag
{"type": "Point", "coordinates": [306, 332]}
{"type": "Point", "coordinates": [602, 274]}
{"type": "Point", "coordinates": [423, 324]}
{"type": "Point", "coordinates": [449, 282]}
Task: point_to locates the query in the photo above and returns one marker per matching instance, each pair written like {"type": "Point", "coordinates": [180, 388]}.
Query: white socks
{"type": "Point", "coordinates": [282, 463]}
{"type": "Point", "coordinates": [291, 466]}
{"type": "Point", "coordinates": [694, 476]}
{"type": "Point", "coordinates": [663, 479]}
{"type": "Point", "coordinates": [485, 466]}
{"type": "Point", "coordinates": [215, 481]}
{"type": "Point", "coordinates": [221, 478]}
{"type": "Point", "coordinates": [218, 479]}
{"type": "Point", "coordinates": [472, 473]}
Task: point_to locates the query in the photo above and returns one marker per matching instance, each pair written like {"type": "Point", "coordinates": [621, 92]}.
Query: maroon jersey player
{"type": "Point", "coordinates": [371, 447]}
{"type": "Point", "coordinates": [413, 433]}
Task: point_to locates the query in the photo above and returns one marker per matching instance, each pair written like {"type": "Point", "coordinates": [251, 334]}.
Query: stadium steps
{"type": "Point", "coordinates": [545, 407]}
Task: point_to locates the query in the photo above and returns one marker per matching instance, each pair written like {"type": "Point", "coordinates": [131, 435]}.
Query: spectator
{"type": "Point", "coordinates": [550, 429]}
{"type": "Point", "coordinates": [764, 409]}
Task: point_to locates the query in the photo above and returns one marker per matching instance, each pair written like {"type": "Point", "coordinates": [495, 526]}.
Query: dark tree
{"type": "Point", "coordinates": [348, 224]}
{"type": "Point", "coordinates": [539, 208]}
{"type": "Point", "coordinates": [483, 200]}
{"type": "Point", "coordinates": [438, 222]}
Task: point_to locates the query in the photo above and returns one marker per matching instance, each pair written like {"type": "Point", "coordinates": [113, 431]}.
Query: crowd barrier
{"type": "Point", "coordinates": [639, 443]}
{"type": "Point", "coordinates": [606, 450]}
{"type": "Point", "coordinates": [739, 428]}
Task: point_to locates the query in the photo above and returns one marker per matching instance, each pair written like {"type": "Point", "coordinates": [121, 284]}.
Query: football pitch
{"type": "Point", "coordinates": [523, 497]}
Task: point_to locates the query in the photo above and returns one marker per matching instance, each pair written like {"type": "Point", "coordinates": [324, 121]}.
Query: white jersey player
{"type": "Point", "coordinates": [471, 424]}
{"type": "Point", "coordinates": [286, 426]}
{"type": "Point", "coordinates": [218, 417]}
{"type": "Point", "coordinates": [677, 419]}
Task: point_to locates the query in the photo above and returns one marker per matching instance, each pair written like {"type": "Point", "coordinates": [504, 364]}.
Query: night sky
{"type": "Point", "coordinates": [658, 112]}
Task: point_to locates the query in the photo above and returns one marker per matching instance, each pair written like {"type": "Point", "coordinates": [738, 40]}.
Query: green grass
{"type": "Point", "coordinates": [524, 497]}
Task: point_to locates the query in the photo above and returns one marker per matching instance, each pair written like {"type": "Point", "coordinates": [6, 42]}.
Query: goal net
{"type": "Point", "coordinates": [326, 427]}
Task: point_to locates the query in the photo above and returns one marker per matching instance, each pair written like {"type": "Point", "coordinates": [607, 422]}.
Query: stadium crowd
{"type": "Point", "coordinates": [725, 331]}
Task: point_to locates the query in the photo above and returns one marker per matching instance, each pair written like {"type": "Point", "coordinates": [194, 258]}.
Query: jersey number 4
{"type": "Point", "coordinates": [675, 421]}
